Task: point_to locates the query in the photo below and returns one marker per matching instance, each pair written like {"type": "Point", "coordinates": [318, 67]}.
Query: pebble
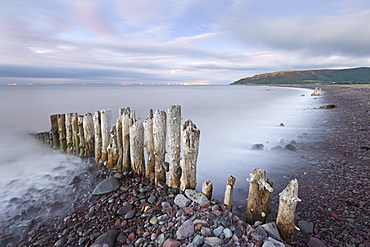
{"type": "Point", "coordinates": [181, 201]}
{"type": "Point", "coordinates": [106, 186]}
{"type": "Point", "coordinates": [196, 196]}
{"type": "Point", "coordinates": [228, 233]}
{"type": "Point", "coordinates": [217, 232]}
{"type": "Point", "coordinates": [212, 241]}
{"type": "Point", "coordinates": [153, 220]}
{"type": "Point", "coordinates": [130, 214]}
{"type": "Point", "coordinates": [185, 230]}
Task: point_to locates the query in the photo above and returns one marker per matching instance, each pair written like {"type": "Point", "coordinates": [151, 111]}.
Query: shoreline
{"type": "Point", "coordinates": [330, 168]}
{"type": "Point", "coordinates": [334, 186]}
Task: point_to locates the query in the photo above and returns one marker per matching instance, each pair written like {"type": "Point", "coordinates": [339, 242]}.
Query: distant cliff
{"type": "Point", "coordinates": [324, 76]}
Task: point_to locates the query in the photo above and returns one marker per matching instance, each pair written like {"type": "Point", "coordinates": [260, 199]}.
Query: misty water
{"type": "Point", "coordinates": [231, 119]}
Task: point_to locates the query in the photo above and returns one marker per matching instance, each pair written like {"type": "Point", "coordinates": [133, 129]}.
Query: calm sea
{"type": "Point", "coordinates": [231, 119]}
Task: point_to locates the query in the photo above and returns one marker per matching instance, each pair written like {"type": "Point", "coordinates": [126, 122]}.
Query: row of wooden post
{"type": "Point", "coordinates": [121, 146]}
{"type": "Point", "coordinates": [258, 201]}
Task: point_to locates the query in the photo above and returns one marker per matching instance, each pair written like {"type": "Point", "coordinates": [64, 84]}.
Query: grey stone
{"type": "Point", "coordinates": [217, 231]}
{"type": "Point", "coordinates": [268, 244]}
{"type": "Point", "coordinates": [140, 241]}
{"type": "Point", "coordinates": [108, 239]}
{"type": "Point", "coordinates": [160, 239]}
{"type": "Point", "coordinates": [257, 147]}
{"type": "Point", "coordinates": [185, 230]}
{"type": "Point", "coordinates": [271, 230]}
{"type": "Point", "coordinates": [305, 226]}
{"type": "Point", "coordinates": [196, 196]}
{"type": "Point", "coordinates": [213, 241]}
{"type": "Point", "coordinates": [275, 242]}
{"type": "Point", "coordinates": [315, 242]}
{"type": "Point", "coordinates": [124, 209]}
{"type": "Point", "coordinates": [261, 231]}
{"type": "Point", "coordinates": [290, 147]}
{"type": "Point", "coordinates": [198, 240]}
{"type": "Point", "coordinates": [74, 180]}
{"type": "Point", "coordinates": [181, 201]}
{"type": "Point", "coordinates": [152, 199]}
{"type": "Point", "coordinates": [106, 186]}
{"type": "Point", "coordinates": [130, 214]}
{"type": "Point", "coordinates": [228, 233]}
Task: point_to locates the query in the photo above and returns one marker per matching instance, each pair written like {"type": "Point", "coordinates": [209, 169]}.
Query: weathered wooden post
{"type": "Point", "coordinates": [288, 200]}
{"type": "Point", "coordinates": [81, 137]}
{"type": "Point", "coordinates": [98, 138]}
{"type": "Point", "coordinates": [174, 141]}
{"type": "Point", "coordinates": [137, 148]}
{"type": "Point", "coordinates": [54, 130]}
{"type": "Point", "coordinates": [112, 149]}
{"type": "Point", "coordinates": [159, 135]}
{"type": "Point", "coordinates": [190, 147]}
{"type": "Point", "coordinates": [105, 116]}
{"type": "Point", "coordinates": [88, 126]}
{"type": "Point", "coordinates": [62, 132]}
{"type": "Point", "coordinates": [149, 144]}
{"type": "Point", "coordinates": [127, 121]}
{"type": "Point", "coordinates": [76, 139]}
{"type": "Point", "coordinates": [207, 188]}
{"type": "Point", "coordinates": [119, 140]}
{"type": "Point", "coordinates": [69, 136]}
{"type": "Point", "coordinates": [258, 202]}
{"type": "Point", "coordinates": [228, 198]}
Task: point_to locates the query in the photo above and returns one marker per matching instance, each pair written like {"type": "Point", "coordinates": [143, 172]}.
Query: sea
{"type": "Point", "coordinates": [231, 119]}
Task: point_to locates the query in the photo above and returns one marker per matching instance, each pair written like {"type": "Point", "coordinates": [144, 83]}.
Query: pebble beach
{"type": "Point", "coordinates": [333, 175]}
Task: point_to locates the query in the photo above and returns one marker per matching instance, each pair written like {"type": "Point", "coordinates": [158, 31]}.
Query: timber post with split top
{"type": "Point", "coordinates": [258, 202]}
{"type": "Point", "coordinates": [190, 149]}
{"type": "Point", "coordinates": [288, 200]}
{"type": "Point", "coordinates": [229, 191]}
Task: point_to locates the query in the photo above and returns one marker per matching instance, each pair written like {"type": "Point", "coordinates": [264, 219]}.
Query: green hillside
{"type": "Point", "coordinates": [325, 76]}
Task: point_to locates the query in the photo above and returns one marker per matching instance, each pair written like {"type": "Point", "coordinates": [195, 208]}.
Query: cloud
{"type": "Point", "coordinates": [346, 34]}
{"type": "Point", "coordinates": [171, 40]}
{"type": "Point", "coordinates": [22, 71]}
{"type": "Point", "coordinates": [90, 15]}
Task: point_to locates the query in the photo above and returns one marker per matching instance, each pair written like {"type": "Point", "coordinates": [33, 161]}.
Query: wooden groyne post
{"type": "Point", "coordinates": [98, 138]}
{"type": "Point", "coordinates": [105, 117]}
{"type": "Point", "coordinates": [258, 202]}
{"type": "Point", "coordinates": [54, 131]}
{"type": "Point", "coordinates": [207, 188]}
{"type": "Point", "coordinates": [288, 200]}
{"type": "Point", "coordinates": [81, 138]}
{"type": "Point", "coordinates": [228, 198]}
{"type": "Point", "coordinates": [127, 120]}
{"type": "Point", "coordinates": [69, 133]}
{"type": "Point", "coordinates": [159, 135]}
{"type": "Point", "coordinates": [137, 148]}
{"type": "Point", "coordinates": [174, 142]}
{"type": "Point", "coordinates": [190, 149]}
{"type": "Point", "coordinates": [149, 144]}
{"type": "Point", "coordinates": [88, 129]}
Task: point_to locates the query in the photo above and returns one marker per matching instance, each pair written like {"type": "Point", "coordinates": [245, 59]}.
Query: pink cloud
{"type": "Point", "coordinates": [90, 16]}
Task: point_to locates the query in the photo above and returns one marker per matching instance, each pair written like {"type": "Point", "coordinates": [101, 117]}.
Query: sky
{"type": "Point", "coordinates": [177, 41]}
